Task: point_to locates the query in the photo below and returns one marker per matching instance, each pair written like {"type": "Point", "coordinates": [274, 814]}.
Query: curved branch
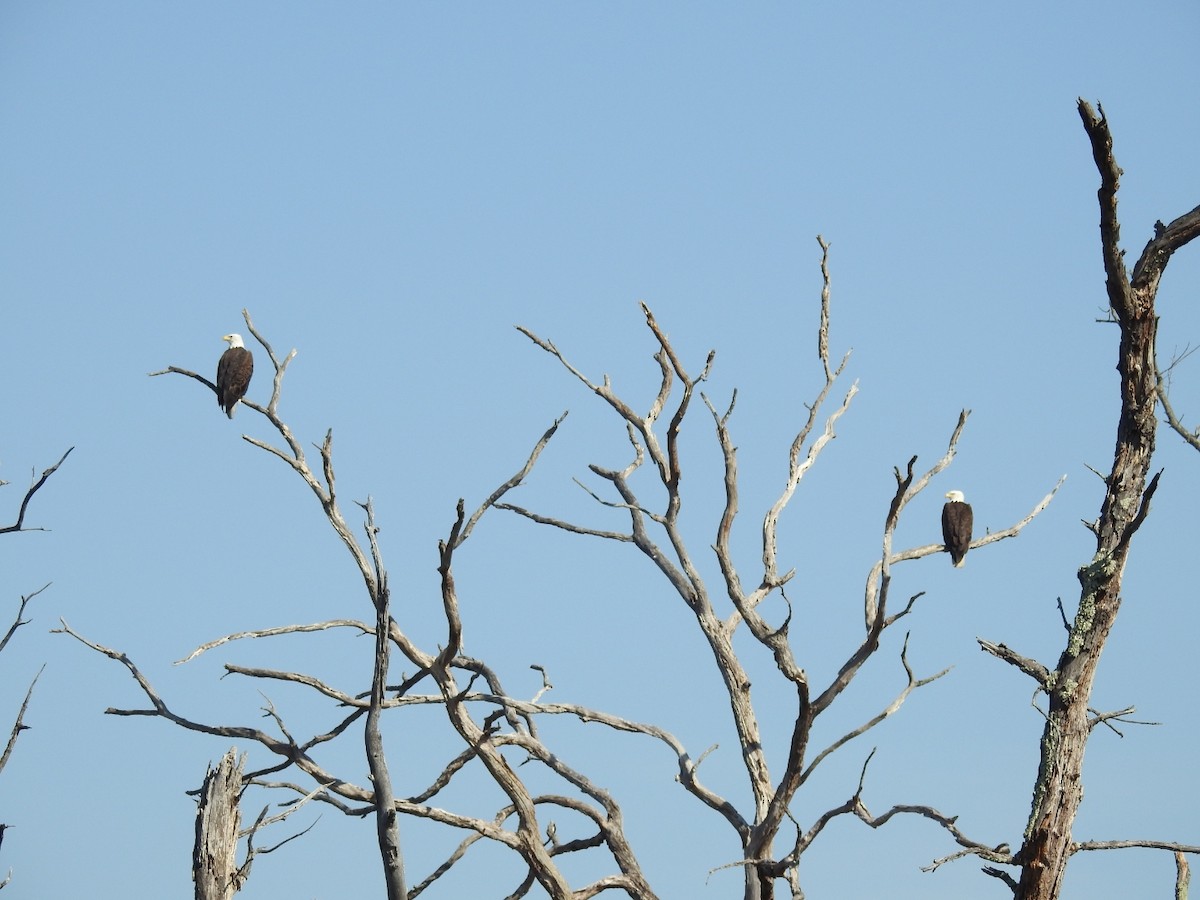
{"type": "Point", "coordinates": [566, 526]}
{"type": "Point", "coordinates": [1158, 251]}
{"type": "Point", "coordinates": [275, 632]}
{"type": "Point", "coordinates": [19, 525]}
{"type": "Point", "coordinates": [1192, 437]}
{"type": "Point", "coordinates": [854, 805]}
{"type": "Point", "coordinates": [913, 684]}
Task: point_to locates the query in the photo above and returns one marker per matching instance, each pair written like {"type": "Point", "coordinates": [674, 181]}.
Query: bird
{"type": "Point", "coordinates": [957, 521]}
{"type": "Point", "coordinates": [233, 373]}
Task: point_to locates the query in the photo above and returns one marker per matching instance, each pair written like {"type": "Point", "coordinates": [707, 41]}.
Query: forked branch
{"type": "Point", "coordinates": [19, 621]}
{"type": "Point", "coordinates": [19, 525]}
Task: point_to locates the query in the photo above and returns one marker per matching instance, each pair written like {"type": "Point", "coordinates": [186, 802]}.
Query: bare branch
{"type": "Point", "coordinates": [19, 525]}
{"type": "Point", "coordinates": [1107, 719]}
{"type": "Point", "coordinates": [944, 462]}
{"type": "Point", "coordinates": [1129, 845]}
{"type": "Point", "coordinates": [18, 621]}
{"type": "Point", "coordinates": [1192, 437]}
{"type": "Point", "coordinates": [993, 872]}
{"type": "Point", "coordinates": [855, 806]}
{"type": "Point", "coordinates": [305, 679]}
{"type": "Point", "coordinates": [459, 852]}
{"type": "Point", "coordinates": [286, 749]}
{"type": "Point", "coordinates": [688, 769]}
{"type": "Point", "coordinates": [1030, 667]}
{"type": "Point", "coordinates": [19, 725]}
{"type": "Point", "coordinates": [605, 392]}
{"type": "Point", "coordinates": [1014, 530]}
{"type": "Point", "coordinates": [263, 820]}
{"type": "Point", "coordinates": [1158, 251]}
{"type": "Point", "coordinates": [564, 525]}
{"type": "Point", "coordinates": [1110, 227]}
{"type": "Point", "coordinates": [913, 684]}
{"type": "Point", "coordinates": [546, 685]}
{"type": "Point", "coordinates": [177, 370]}
{"type": "Point", "coordinates": [797, 469]}
{"type": "Point", "coordinates": [1142, 511]}
{"type": "Point", "coordinates": [291, 753]}
{"type": "Point", "coordinates": [275, 632]}
{"type": "Point", "coordinates": [512, 482]}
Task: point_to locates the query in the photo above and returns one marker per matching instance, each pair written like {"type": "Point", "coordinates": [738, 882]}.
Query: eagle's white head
{"type": "Point", "coordinates": [235, 340]}
{"type": "Point", "coordinates": [952, 496]}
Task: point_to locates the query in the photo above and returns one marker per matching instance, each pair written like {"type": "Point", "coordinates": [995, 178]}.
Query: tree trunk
{"type": "Point", "coordinates": [1059, 789]}
{"type": "Point", "coordinates": [218, 818]}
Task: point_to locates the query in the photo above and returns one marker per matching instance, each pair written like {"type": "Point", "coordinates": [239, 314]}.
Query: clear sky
{"type": "Point", "coordinates": [389, 188]}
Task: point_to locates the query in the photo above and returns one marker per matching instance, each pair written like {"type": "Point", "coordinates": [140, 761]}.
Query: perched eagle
{"type": "Point", "coordinates": [233, 373]}
{"type": "Point", "coordinates": [957, 520]}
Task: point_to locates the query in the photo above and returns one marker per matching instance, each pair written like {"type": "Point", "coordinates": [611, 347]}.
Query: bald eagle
{"type": "Point", "coordinates": [233, 373]}
{"type": "Point", "coordinates": [957, 520]}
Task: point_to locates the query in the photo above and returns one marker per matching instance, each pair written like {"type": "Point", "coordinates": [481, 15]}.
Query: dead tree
{"type": "Point", "coordinates": [494, 728]}
{"type": "Point", "coordinates": [19, 525]}
{"type": "Point", "coordinates": [656, 532]}
{"type": "Point", "coordinates": [504, 728]}
{"type": "Point", "coordinates": [492, 724]}
{"type": "Point", "coordinates": [1048, 842]}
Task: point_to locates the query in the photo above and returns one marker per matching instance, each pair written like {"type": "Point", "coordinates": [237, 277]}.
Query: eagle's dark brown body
{"type": "Point", "coordinates": [233, 374]}
{"type": "Point", "coordinates": [958, 521]}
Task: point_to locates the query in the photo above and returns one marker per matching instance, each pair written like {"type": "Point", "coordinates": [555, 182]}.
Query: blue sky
{"type": "Point", "coordinates": [389, 188]}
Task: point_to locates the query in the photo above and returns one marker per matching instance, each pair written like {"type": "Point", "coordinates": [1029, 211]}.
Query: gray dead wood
{"type": "Point", "coordinates": [218, 819]}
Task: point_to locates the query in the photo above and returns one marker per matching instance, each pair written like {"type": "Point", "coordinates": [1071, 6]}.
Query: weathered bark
{"type": "Point", "coordinates": [218, 819]}
{"type": "Point", "coordinates": [1059, 788]}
